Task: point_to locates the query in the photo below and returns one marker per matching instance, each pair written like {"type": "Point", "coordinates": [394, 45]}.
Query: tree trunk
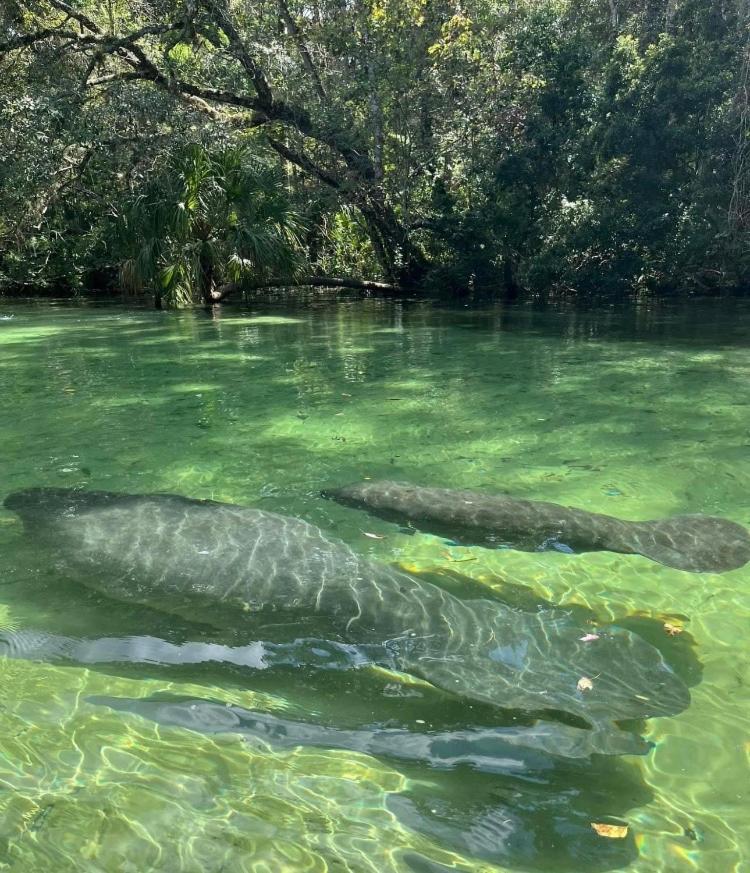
{"type": "Point", "coordinates": [511, 288]}
{"type": "Point", "coordinates": [614, 14]}
{"type": "Point", "coordinates": [207, 278]}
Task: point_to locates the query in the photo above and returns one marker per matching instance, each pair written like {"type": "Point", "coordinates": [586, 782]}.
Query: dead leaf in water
{"type": "Point", "coordinates": [584, 684]}
{"type": "Point", "coordinates": [673, 629]}
{"type": "Point", "coordinates": [612, 832]}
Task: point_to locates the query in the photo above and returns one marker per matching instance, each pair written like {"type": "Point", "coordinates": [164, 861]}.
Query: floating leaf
{"type": "Point", "coordinates": [612, 832]}
{"type": "Point", "coordinates": [673, 629]}
{"type": "Point", "coordinates": [584, 684]}
{"type": "Point", "coordinates": [589, 638]}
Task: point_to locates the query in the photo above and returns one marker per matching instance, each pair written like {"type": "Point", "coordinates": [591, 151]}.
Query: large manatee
{"type": "Point", "coordinates": [698, 543]}
{"type": "Point", "coordinates": [237, 567]}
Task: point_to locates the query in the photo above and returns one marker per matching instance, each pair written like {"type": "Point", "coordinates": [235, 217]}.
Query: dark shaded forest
{"type": "Point", "coordinates": [193, 151]}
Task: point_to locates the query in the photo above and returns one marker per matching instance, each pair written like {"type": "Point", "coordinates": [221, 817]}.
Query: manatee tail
{"type": "Point", "coordinates": [696, 543]}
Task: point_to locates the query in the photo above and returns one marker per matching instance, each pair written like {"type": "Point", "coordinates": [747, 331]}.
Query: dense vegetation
{"type": "Point", "coordinates": [190, 149]}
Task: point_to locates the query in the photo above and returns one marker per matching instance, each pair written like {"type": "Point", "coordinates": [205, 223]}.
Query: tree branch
{"type": "Point", "coordinates": [238, 49]}
{"type": "Point", "coordinates": [304, 163]}
{"type": "Point", "coordinates": [265, 107]}
{"type": "Point", "coordinates": [30, 38]}
{"type": "Point", "coordinates": [307, 63]}
{"type": "Point", "coordinates": [128, 51]}
{"type": "Point", "coordinates": [87, 22]}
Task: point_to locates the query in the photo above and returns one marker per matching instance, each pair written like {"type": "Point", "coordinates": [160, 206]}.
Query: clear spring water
{"type": "Point", "coordinates": [639, 413]}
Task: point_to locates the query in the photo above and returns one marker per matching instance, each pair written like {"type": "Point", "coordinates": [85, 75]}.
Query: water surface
{"type": "Point", "coordinates": [639, 413]}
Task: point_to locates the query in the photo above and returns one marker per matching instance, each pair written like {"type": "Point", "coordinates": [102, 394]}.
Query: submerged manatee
{"type": "Point", "coordinates": [238, 567]}
{"type": "Point", "coordinates": [698, 543]}
{"type": "Point", "coordinates": [483, 748]}
{"type": "Point", "coordinates": [503, 795]}
{"type": "Point", "coordinates": [487, 750]}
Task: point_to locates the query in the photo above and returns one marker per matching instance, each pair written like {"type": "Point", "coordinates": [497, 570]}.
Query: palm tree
{"type": "Point", "coordinates": [209, 219]}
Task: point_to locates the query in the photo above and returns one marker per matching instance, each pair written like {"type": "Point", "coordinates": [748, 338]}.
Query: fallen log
{"type": "Point", "coordinates": [230, 288]}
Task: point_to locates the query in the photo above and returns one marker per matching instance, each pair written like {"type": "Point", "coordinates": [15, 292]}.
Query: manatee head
{"type": "Point", "coordinates": [45, 505]}
{"type": "Point", "coordinates": [393, 501]}
{"type": "Point", "coordinates": [39, 503]}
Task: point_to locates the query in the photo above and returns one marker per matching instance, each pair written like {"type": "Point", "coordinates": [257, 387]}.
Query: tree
{"type": "Point", "coordinates": [205, 54]}
{"type": "Point", "coordinates": [543, 144]}
{"type": "Point", "coordinates": [207, 219]}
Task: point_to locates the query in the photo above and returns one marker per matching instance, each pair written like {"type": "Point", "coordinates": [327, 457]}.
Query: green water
{"type": "Point", "coordinates": [640, 413]}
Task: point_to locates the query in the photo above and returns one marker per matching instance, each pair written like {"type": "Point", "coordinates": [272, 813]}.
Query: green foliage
{"type": "Point", "coordinates": [209, 217]}
{"type": "Point", "coordinates": [345, 247]}
{"type": "Point", "coordinates": [547, 144]}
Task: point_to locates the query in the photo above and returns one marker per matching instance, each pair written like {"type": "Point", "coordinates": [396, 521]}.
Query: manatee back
{"type": "Point", "coordinates": [182, 555]}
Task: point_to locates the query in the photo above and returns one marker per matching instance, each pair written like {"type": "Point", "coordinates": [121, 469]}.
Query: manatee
{"type": "Point", "coordinates": [272, 576]}
{"type": "Point", "coordinates": [697, 543]}
{"type": "Point", "coordinates": [484, 749]}
{"type": "Point", "coordinates": [487, 750]}
{"type": "Point", "coordinates": [496, 795]}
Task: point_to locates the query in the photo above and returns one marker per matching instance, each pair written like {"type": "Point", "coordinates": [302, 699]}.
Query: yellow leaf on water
{"type": "Point", "coordinates": [584, 684]}
{"type": "Point", "coordinates": [673, 629]}
{"type": "Point", "coordinates": [612, 832]}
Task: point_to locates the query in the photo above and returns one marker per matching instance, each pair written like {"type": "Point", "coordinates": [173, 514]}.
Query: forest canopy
{"type": "Point", "coordinates": [189, 150]}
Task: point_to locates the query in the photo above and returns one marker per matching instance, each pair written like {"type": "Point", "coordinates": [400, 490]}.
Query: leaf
{"type": "Point", "coordinates": [589, 638]}
{"type": "Point", "coordinates": [584, 684]}
{"type": "Point", "coordinates": [612, 832]}
{"type": "Point", "coordinates": [373, 536]}
{"type": "Point", "coordinates": [673, 629]}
